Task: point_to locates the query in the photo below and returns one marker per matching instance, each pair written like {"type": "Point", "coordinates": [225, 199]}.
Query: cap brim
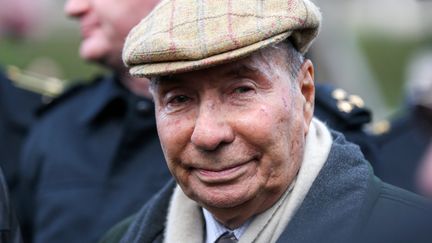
{"type": "Point", "coordinates": [164, 68]}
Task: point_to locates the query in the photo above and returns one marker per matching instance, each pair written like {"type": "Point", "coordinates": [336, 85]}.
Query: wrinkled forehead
{"type": "Point", "coordinates": [263, 63]}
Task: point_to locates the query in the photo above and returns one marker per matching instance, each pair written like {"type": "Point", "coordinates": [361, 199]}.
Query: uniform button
{"type": "Point", "coordinates": [339, 94]}
{"type": "Point", "coordinates": [345, 106]}
{"type": "Point", "coordinates": [356, 100]}
{"type": "Point", "coordinates": [144, 107]}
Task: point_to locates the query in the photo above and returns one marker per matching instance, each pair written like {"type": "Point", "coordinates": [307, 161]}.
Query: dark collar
{"type": "Point", "coordinates": [331, 210]}
{"type": "Point", "coordinates": [108, 97]}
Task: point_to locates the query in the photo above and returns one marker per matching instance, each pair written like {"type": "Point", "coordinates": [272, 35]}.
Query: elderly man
{"type": "Point", "coordinates": [234, 102]}
{"type": "Point", "coordinates": [94, 157]}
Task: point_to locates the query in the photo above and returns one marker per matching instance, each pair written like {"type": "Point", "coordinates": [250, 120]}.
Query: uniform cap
{"type": "Point", "coordinates": [186, 35]}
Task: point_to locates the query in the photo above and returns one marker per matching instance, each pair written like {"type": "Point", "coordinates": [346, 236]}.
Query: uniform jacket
{"type": "Point", "coordinates": [92, 159]}
{"type": "Point", "coordinates": [403, 146]}
{"type": "Point", "coordinates": [345, 203]}
{"type": "Point", "coordinates": [9, 228]}
{"type": "Point", "coordinates": [17, 114]}
{"type": "Point", "coordinates": [350, 121]}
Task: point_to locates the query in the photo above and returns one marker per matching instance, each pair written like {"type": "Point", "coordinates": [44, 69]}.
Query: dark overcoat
{"type": "Point", "coordinates": [346, 203]}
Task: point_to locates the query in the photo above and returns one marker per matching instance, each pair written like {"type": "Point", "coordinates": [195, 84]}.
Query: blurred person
{"type": "Point", "coordinates": [424, 173]}
{"type": "Point", "coordinates": [18, 18]}
{"type": "Point", "coordinates": [404, 141]}
{"type": "Point", "coordinates": [18, 105]}
{"type": "Point", "coordinates": [346, 113]}
{"type": "Point", "coordinates": [17, 114]}
{"type": "Point", "coordinates": [18, 102]}
{"type": "Point", "coordinates": [234, 111]}
{"type": "Point", "coordinates": [94, 156]}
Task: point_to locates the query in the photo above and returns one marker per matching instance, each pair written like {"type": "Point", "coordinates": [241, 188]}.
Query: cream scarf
{"type": "Point", "coordinates": [185, 220]}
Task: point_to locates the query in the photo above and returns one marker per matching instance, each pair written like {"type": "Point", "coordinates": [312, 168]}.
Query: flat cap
{"type": "Point", "coordinates": [185, 35]}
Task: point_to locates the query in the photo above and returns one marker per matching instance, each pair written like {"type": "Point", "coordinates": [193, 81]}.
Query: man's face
{"type": "Point", "coordinates": [104, 25]}
{"type": "Point", "coordinates": [233, 134]}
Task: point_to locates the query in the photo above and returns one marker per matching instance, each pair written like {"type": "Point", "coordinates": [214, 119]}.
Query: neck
{"type": "Point", "coordinates": [138, 86]}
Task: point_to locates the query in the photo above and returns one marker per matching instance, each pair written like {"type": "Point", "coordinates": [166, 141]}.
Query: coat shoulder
{"type": "Point", "coordinates": [115, 234]}
{"type": "Point", "coordinates": [69, 93]}
{"type": "Point", "coordinates": [397, 215]}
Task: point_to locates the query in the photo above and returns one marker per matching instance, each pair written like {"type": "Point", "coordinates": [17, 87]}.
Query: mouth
{"type": "Point", "coordinates": [222, 175]}
{"type": "Point", "coordinates": [88, 24]}
{"type": "Point", "coordinates": [86, 30]}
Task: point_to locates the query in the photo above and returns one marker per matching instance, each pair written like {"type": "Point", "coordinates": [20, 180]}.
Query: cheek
{"type": "Point", "coordinates": [95, 46]}
{"type": "Point", "coordinates": [278, 133]}
{"type": "Point", "coordinates": [116, 32]}
{"type": "Point", "coordinates": [262, 126]}
{"type": "Point", "coordinates": [174, 134]}
{"type": "Point", "coordinates": [166, 128]}
{"type": "Point", "coordinates": [270, 124]}
{"type": "Point", "coordinates": [114, 24]}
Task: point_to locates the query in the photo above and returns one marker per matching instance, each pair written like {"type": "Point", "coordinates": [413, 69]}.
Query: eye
{"type": "Point", "coordinates": [178, 99]}
{"type": "Point", "coordinates": [242, 89]}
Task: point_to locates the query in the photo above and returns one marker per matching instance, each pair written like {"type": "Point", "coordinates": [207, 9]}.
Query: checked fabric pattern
{"type": "Point", "coordinates": [184, 35]}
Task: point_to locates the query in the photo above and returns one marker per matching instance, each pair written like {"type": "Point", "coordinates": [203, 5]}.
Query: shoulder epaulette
{"type": "Point", "coordinates": [69, 92]}
{"type": "Point", "coordinates": [46, 86]}
{"type": "Point", "coordinates": [347, 109]}
{"type": "Point", "coordinates": [380, 127]}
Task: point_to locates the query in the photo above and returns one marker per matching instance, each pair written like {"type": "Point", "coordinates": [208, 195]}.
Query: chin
{"type": "Point", "coordinates": [88, 56]}
{"type": "Point", "coordinates": [223, 201]}
{"type": "Point", "coordinates": [91, 51]}
{"type": "Point", "coordinates": [222, 204]}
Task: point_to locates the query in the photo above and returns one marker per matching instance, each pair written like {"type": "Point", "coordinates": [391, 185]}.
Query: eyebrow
{"type": "Point", "coordinates": [241, 69]}
{"type": "Point", "coordinates": [235, 70]}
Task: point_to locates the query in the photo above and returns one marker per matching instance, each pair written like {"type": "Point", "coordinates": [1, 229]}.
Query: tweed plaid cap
{"type": "Point", "coordinates": [185, 35]}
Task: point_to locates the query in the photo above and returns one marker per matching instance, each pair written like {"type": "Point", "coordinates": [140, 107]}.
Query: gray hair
{"type": "Point", "coordinates": [294, 58]}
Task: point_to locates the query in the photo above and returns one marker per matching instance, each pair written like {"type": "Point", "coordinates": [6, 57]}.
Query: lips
{"type": "Point", "coordinates": [86, 30]}
{"type": "Point", "coordinates": [221, 175]}
{"type": "Point", "coordinates": [88, 24]}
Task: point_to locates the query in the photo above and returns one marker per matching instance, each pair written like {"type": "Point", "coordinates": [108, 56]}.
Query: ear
{"type": "Point", "coordinates": [307, 88]}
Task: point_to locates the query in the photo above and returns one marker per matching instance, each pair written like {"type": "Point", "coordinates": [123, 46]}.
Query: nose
{"type": "Point", "coordinates": [211, 129]}
{"type": "Point", "coordinates": [76, 8]}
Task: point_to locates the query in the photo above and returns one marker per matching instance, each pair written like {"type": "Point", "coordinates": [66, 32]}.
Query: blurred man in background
{"type": "Point", "coordinates": [17, 112]}
{"type": "Point", "coordinates": [405, 146]}
{"type": "Point", "coordinates": [18, 104]}
{"type": "Point", "coordinates": [94, 157]}
{"type": "Point", "coordinates": [18, 17]}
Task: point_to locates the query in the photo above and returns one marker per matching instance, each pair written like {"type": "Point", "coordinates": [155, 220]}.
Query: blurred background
{"type": "Point", "coordinates": [365, 46]}
{"type": "Point", "coordinates": [37, 37]}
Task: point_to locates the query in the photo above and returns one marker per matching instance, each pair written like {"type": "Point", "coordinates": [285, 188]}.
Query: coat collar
{"type": "Point", "coordinates": [335, 205]}
{"type": "Point", "coordinates": [109, 93]}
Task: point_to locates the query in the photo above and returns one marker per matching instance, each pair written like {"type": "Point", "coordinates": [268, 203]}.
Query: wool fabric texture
{"type": "Point", "coordinates": [186, 35]}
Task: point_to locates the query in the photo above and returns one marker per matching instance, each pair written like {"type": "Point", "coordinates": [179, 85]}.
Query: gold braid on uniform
{"type": "Point", "coordinates": [49, 87]}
